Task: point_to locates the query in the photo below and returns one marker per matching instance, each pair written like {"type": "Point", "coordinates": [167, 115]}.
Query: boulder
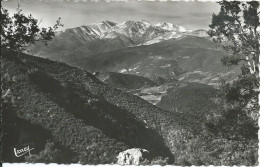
{"type": "Point", "coordinates": [134, 156]}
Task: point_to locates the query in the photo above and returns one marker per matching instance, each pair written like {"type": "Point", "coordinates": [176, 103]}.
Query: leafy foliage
{"type": "Point", "coordinates": [236, 27]}
{"type": "Point", "coordinates": [211, 150]}
{"type": "Point", "coordinates": [19, 31]}
{"type": "Point", "coordinates": [35, 106]}
{"type": "Point", "coordinates": [51, 154]}
{"type": "Point", "coordinates": [194, 99]}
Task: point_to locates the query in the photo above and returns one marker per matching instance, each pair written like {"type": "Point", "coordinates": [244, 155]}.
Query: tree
{"type": "Point", "coordinates": [237, 28]}
{"type": "Point", "coordinates": [18, 32]}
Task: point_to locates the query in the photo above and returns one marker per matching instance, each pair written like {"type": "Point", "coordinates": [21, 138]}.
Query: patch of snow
{"type": "Point", "coordinates": [96, 32]}
{"type": "Point", "coordinates": [182, 29]}
{"type": "Point", "coordinates": [172, 27]}
{"type": "Point", "coordinates": [169, 35]}
{"type": "Point", "coordinates": [167, 26]}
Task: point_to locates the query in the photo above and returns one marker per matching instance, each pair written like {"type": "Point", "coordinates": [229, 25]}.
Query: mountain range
{"type": "Point", "coordinates": [107, 35]}
{"type": "Point", "coordinates": [138, 47]}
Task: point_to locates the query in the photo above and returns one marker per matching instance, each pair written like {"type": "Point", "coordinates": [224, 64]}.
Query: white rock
{"type": "Point", "coordinates": [132, 156]}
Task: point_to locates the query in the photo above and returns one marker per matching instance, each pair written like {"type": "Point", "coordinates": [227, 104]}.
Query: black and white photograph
{"type": "Point", "coordinates": [133, 82]}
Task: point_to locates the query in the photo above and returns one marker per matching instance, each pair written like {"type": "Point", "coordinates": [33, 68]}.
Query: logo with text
{"type": "Point", "coordinates": [22, 151]}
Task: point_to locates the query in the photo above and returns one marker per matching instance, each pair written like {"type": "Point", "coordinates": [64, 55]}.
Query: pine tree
{"type": "Point", "coordinates": [237, 28]}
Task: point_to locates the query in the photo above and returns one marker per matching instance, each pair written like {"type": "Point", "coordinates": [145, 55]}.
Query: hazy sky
{"type": "Point", "coordinates": [193, 15]}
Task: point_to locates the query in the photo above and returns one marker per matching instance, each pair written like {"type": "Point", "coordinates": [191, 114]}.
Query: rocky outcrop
{"type": "Point", "coordinates": [134, 156]}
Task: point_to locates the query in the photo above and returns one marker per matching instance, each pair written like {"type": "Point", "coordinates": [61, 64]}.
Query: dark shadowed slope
{"type": "Point", "coordinates": [30, 103]}
{"type": "Point", "coordinates": [81, 113]}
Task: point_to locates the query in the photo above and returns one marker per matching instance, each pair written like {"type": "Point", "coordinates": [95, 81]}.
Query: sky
{"type": "Point", "coordinates": [192, 15]}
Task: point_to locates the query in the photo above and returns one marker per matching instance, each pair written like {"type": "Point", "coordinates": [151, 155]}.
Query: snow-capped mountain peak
{"type": "Point", "coordinates": [130, 33]}
{"type": "Point", "coordinates": [172, 27]}
{"type": "Point", "coordinates": [132, 23]}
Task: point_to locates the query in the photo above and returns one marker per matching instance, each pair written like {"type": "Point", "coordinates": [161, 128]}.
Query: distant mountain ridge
{"type": "Point", "coordinates": [106, 36]}
{"type": "Point", "coordinates": [140, 48]}
{"type": "Point", "coordinates": [136, 32]}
